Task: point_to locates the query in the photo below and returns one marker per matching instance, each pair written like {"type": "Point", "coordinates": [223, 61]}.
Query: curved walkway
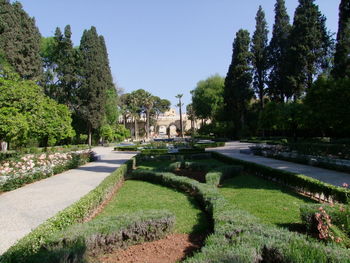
{"type": "Point", "coordinates": [232, 149]}
{"type": "Point", "coordinates": [25, 208]}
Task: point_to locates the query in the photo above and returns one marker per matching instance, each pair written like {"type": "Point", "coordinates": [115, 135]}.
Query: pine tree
{"type": "Point", "coordinates": [259, 55]}
{"type": "Point", "coordinates": [277, 53]}
{"type": "Point", "coordinates": [342, 54]}
{"type": "Point", "coordinates": [20, 40]}
{"type": "Point", "coordinates": [92, 93]}
{"type": "Point", "coordinates": [310, 47]}
{"type": "Point", "coordinates": [238, 91]}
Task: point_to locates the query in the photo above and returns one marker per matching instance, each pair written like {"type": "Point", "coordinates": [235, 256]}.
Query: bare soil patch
{"type": "Point", "coordinates": [173, 248]}
{"type": "Point", "coordinates": [196, 175]}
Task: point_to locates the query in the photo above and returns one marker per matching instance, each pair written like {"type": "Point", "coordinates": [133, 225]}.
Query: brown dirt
{"type": "Point", "coordinates": [196, 175]}
{"type": "Point", "coordinates": [173, 248]}
{"type": "Point", "coordinates": [105, 202]}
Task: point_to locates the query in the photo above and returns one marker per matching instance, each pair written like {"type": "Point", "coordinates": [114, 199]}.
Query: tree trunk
{"type": "Point", "coordinates": [136, 130]}
{"type": "Point", "coordinates": [181, 124]}
{"type": "Point", "coordinates": [147, 124]}
{"type": "Point", "coordinates": [89, 135]}
{"type": "Point", "coordinates": [3, 146]}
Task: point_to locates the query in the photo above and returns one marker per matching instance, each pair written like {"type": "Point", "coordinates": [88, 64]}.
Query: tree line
{"type": "Point", "coordinates": [296, 83]}
{"type": "Point", "coordinates": [52, 92]}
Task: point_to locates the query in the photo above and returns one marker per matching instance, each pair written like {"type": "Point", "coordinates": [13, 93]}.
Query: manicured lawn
{"type": "Point", "coordinates": [270, 202]}
{"type": "Point", "coordinates": [138, 195]}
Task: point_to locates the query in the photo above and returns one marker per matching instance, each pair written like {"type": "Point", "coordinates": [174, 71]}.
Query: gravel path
{"type": "Point", "coordinates": [25, 208]}
{"type": "Point", "coordinates": [332, 177]}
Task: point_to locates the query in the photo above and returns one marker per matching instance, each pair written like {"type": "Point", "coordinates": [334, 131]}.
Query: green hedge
{"type": "Point", "coordinates": [82, 242]}
{"type": "Point", "coordinates": [218, 175]}
{"type": "Point", "coordinates": [131, 148]}
{"type": "Point", "coordinates": [208, 145]}
{"type": "Point", "coordinates": [16, 182]}
{"type": "Point", "coordinates": [239, 236]}
{"type": "Point", "coordinates": [299, 182]}
{"type": "Point", "coordinates": [81, 209]}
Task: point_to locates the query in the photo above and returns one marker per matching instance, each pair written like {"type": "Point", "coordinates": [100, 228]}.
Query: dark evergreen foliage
{"type": "Point", "coordinates": [92, 93]}
{"type": "Point", "coordinates": [278, 47]}
{"type": "Point", "coordinates": [310, 48]}
{"type": "Point", "coordinates": [238, 91]}
{"type": "Point", "coordinates": [20, 40]}
{"type": "Point", "coordinates": [342, 54]}
{"type": "Point", "coordinates": [259, 52]}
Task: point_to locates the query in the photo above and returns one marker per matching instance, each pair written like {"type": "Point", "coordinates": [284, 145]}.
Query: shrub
{"type": "Point", "coordinates": [82, 242]}
{"type": "Point", "coordinates": [34, 241]}
{"type": "Point", "coordinates": [339, 213]}
{"type": "Point", "coordinates": [131, 148]}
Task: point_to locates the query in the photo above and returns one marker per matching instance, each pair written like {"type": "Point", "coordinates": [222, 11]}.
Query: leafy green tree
{"type": "Point", "coordinates": [20, 40]}
{"type": "Point", "coordinates": [277, 54]}
{"type": "Point", "coordinates": [159, 106]}
{"type": "Point", "coordinates": [92, 93]}
{"type": "Point", "coordinates": [26, 113]}
{"type": "Point", "coordinates": [237, 90]}
{"type": "Point", "coordinates": [259, 55]}
{"type": "Point", "coordinates": [342, 54]}
{"type": "Point", "coordinates": [310, 47]}
{"type": "Point", "coordinates": [207, 97]}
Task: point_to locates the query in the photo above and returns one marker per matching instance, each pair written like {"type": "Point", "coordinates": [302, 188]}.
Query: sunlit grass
{"type": "Point", "coordinates": [270, 202]}
{"type": "Point", "coordinates": [137, 195]}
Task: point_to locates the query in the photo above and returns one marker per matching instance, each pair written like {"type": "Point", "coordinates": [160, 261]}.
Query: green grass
{"type": "Point", "coordinates": [136, 195]}
{"type": "Point", "coordinates": [270, 202]}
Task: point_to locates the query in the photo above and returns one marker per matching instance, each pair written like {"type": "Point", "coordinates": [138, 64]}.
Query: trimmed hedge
{"type": "Point", "coordinates": [239, 236]}
{"type": "Point", "coordinates": [218, 175]}
{"type": "Point", "coordinates": [298, 182]}
{"type": "Point", "coordinates": [31, 243]}
{"type": "Point", "coordinates": [131, 148]}
{"type": "Point", "coordinates": [208, 145]}
{"type": "Point", "coordinates": [81, 242]}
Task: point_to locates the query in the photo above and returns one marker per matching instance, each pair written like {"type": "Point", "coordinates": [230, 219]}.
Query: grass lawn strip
{"type": "Point", "coordinates": [270, 202]}
{"type": "Point", "coordinates": [137, 195]}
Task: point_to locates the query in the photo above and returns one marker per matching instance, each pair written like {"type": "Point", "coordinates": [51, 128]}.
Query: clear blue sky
{"type": "Point", "coordinates": [163, 46]}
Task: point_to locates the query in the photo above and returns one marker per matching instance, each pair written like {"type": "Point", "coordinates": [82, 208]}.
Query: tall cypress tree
{"type": "Point", "coordinates": [111, 92]}
{"type": "Point", "coordinates": [310, 47]}
{"type": "Point", "coordinates": [238, 91]}
{"type": "Point", "coordinates": [92, 94]}
{"type": "Point", "coordinates": [20, 40]}
{"type": "Point", "coordinates": [259, 55]}
{"type": "Point", "coordinates": [277, 53]}
{"type": "Point", "coordinates": [342, 54]}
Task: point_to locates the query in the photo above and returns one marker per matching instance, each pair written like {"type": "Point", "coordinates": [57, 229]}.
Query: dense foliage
{"type": "Point", "coordinates": [299, 84]}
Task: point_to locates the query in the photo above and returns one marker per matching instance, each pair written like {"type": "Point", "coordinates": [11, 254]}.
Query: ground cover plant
{"type": "Point", "coordinates": [268, 201]}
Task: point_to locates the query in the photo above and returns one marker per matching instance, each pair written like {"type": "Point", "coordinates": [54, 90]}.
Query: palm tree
{"type": "Point", "coordinates": [179, 96]}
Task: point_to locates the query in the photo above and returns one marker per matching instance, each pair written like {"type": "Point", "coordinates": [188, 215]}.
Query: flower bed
{"type": "Point", "coordinates": [32, 167]}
